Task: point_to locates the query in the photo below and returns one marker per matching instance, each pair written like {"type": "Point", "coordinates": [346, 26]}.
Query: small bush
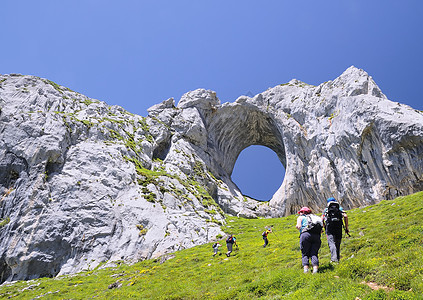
{"type": "Point", "coordinates": [4, 222]}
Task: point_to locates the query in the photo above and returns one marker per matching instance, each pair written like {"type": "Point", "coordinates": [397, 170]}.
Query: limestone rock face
{"type": "Point", "coordinates": [82, 182]}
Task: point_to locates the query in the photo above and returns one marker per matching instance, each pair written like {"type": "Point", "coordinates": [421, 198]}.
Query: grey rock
{"type": "Point", "coordinates": [80, 193]}
{"type": "Point", "coordinates": [84, 183]}
{"type": "Point", "coordinates": [115, 285]}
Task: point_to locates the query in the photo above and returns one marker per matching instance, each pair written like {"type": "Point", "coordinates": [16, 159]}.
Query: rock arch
{"type": "Point", "coordinates": [236, 128]}
{"type": "Point", "coordinates": [343, 138]}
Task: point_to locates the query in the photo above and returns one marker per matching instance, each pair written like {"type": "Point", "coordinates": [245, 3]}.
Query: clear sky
{"type": "Point", "coordinates": [138, 53]}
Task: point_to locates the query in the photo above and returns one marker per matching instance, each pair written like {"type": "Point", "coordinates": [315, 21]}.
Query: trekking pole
{"type": "Point", "coordinates": [272, 231]}
{"type": "Point", "coordinates": [346, 232]}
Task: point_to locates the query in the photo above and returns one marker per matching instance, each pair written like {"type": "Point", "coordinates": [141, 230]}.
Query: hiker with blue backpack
{"type": "Point", "coordinates": [310, 227]}
{"type": "Point", "coordinates": [333, 218]}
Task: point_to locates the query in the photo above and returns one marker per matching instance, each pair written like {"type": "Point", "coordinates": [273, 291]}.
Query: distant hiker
{"type": "Point", "coordinates": [333, 217]}
{"type": "Point", "coordinates": [310, 227]}
{"type": "Point", "coordinates": [264, 235]}
{"type": "Point", "coordinates": [215, 248]}
{"type": "Point", "coordinates": [230, 241]}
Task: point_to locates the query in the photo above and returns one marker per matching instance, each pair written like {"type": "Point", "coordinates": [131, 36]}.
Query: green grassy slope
{"type": "Point", "coordinates": [381, 260]}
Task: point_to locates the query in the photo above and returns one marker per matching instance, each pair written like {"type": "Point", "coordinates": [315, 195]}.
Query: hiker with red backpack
{"type": "Point", "coordinates": [310, 227]}
{"type": "Point", "coordinates": [230, 242]}
{"type": "Point", "coordinates": [333, 219]}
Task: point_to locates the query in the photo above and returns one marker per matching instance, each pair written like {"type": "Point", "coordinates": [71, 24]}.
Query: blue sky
{"type": "Point", "coordinates": [139, 53]}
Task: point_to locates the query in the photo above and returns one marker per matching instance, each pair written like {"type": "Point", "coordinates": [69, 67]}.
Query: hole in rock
{"type": "Point", "coordinates": [258, 172]}
{"type": "Point", "coordinates": [162, 150]}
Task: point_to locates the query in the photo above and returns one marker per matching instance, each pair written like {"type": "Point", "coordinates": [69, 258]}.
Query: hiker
{"type": "Point", "coordinates": [230, 241]}
{"type": "Point", "coordinates": [333, 218]}
{"type": "Point", "coordinates": [310, 227]}
{"type": "Point", "coordinates": [264, 235]}
{"type": "Point", "coordinates": [215, 248]}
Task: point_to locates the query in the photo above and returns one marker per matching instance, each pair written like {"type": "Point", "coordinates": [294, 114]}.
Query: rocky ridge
{"type": "Point", "coordinates": [83, 182]}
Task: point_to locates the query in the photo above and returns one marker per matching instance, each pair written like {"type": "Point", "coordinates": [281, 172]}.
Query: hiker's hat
{"type": "Point", "coordinates": [331, 199]}
{"type": "Point", "coordinates": [304, 209]}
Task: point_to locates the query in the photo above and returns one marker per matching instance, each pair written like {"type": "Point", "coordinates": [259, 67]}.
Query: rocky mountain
{"type": "Point", "coordinates": [84, 183]}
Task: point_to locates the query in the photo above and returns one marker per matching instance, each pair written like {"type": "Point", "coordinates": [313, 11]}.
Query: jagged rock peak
{"type": "Point", "coordinates": [359, 82]}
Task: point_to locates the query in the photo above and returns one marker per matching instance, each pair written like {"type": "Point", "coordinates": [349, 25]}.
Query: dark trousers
{"type": "Point", "coordinates": [229, 246]}
{"type": "Point", "coordinates": [266, 241]}
{"type": "Point", "coordinates": [310, 245]}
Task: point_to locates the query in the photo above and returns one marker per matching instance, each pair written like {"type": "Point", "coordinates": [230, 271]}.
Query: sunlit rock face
{"type": "Point", "coordinates": [82, 182]}
{"type": "Point", "coordinates": [343, 138]}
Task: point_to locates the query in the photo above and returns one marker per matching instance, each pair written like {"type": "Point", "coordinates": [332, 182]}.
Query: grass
{"type": "Point", "coordinates": [54, 85]}
{"type": "Point", "coordinates": [384, 251]}
{"type": "Point", "coordinates": [4, 221]}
